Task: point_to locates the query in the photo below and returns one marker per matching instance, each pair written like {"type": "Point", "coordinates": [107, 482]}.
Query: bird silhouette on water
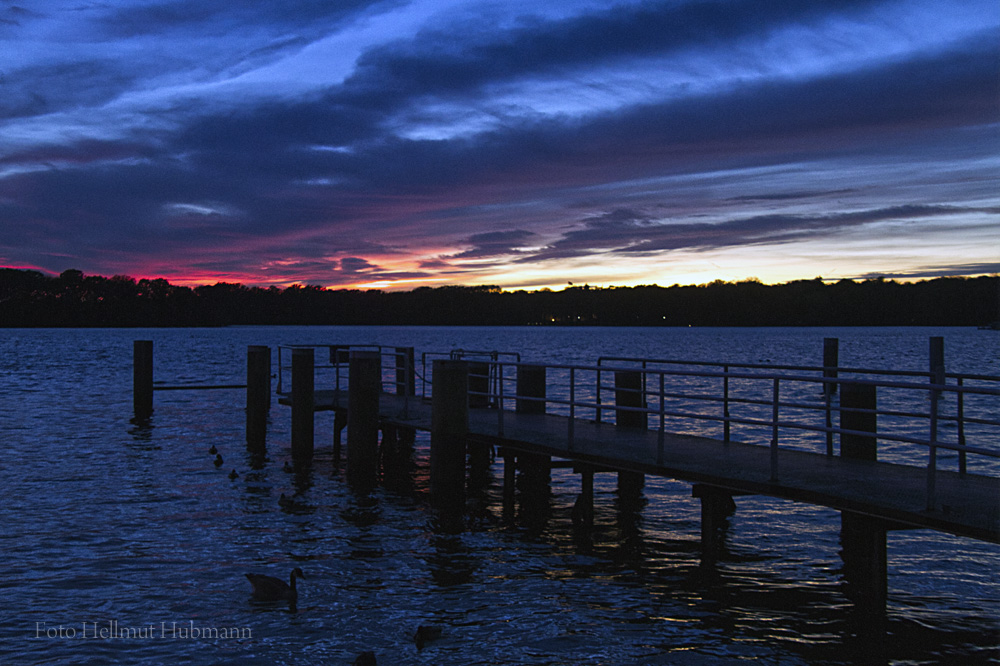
{"type": "Point", "coordinates": [234, 475]}
{"type": "Point", "coordinates": [218, 460]}
{"type": "Point", "coordinates": [269, 588]}
{"type": "Point", "coordinates": [213, 450]}
{"type": "Point", "coordinates": [365, 659]}
{"type": "Point", "coordinates": [426, 633]}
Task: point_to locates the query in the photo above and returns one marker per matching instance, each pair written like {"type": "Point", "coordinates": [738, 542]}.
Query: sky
{"type": "Point", "coordinates": [518, 143]}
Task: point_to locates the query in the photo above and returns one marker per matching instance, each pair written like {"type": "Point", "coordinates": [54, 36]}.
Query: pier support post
{"type": "Point", "coordinates": [629, 394]}
{"type": "Point", "coordinates": [937, 359]}
{"type": "Point", "coordinates": [536, 469]}
{"type": "Point", "coordinates": [831, 360]}
{"type": "Point", "coordinates": [583, 508]}
{"type": "Point", "coordinates": [716, 506]}
{"type": "Point", "coordinates": [449, 428]}
{"type": "Point", "coordinates": [857, 412]}
{"type": "Point", "coordinates": [509, 482]}
{"type": "Point", "coordinates": [142, 378]}
{"type": "Point", "coordinates": [863, 543]}
{"type": "Point", "coordinates": [862, 538]}
{"type": "Point", "coordinates": [339, 423]}
{"type": "Point", "coordinates": [303, 384]}
{"type": "Point", "coordinates": [258, 394]}
{"type": "Point", "coordinates": [362, 418]}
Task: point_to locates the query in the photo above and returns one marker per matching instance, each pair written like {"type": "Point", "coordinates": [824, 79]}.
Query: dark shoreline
{"type": "Point", "coordinates": [29, 299]}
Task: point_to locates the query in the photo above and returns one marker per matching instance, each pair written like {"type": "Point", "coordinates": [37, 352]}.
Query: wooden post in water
{"type": "Point", "coordinates": [536, 469]}
{"type": "Point", "coordinates": [449, 428]}
{"type": "Point", "coordinates": [258, 394]}
{"type": "Point", "coordinates": [583, 508]}
{"type": "Point", "coordinates": [142, 378]}
{"type": "Point", "coordinates": [937, 359]}
{"type": "Point", "coordinates": [509, 481]}
{"type": "Point", "coordinates": [862, 538]}
{"type": "Point", "coordinates": [716, 506]}
{"type": "Point", "coordinates": [303, 380]}
{"type": "Point", "coordinates": [831, 360]}
{"type": "Point", "coordinates": [363, 391]}
{"type": "Point", "coordinates": [629, 393]}
{"type": "Point", "coordinates": [857, 412]}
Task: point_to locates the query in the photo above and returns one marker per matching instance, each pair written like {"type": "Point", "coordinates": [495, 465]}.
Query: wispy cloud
{"type": "Point", "coordinates": [421, 140]}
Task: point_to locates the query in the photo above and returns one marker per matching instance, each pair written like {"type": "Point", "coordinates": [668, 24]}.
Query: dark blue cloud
{"type": "Point", "coordinates": [417, 141]}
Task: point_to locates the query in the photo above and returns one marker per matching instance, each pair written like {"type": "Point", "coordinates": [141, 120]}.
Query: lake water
{"type": "Point", "coordinates": [123, 543]}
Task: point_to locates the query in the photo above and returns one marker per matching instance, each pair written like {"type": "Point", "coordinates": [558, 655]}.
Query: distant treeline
{"type": "Point", "coordinates": [31, 299]}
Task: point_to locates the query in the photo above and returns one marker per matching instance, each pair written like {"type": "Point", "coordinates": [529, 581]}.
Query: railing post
{"type": "Point", "coordinates": [479, 384]}
{"type": "Point", "coordinates": [572, 408]}
{"type": "Point", "coordinates": [597, 394]}
{"type": "Point", "coordinates": [960, 409]}
{"type": "Point", "coordinates": [932, 453]}
{"type": "Point", "coordinates": [662, 434]}
{"type": "Point", "coordinates": [449, 429]}
{"type": "Point", "coordinates": [774, 429]}
{"type": "Point", "coordinates": [363, 389]}
{"type": "Point", "coordinates": [258, 394]}
{"type": "Point", "coordinates": [406, 381]}
{"type": "Point", "coordinates": [281, 371]}
{"type": "Point", "coordinates": [725, 403]}
{"type": "Point", "coordinates": [303, 379]}
{"type": "Point", "coordinates": [142, 378]}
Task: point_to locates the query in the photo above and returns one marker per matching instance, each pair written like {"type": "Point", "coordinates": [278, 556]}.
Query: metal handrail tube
{"type": "Point", "coordinates": [780, 424]}
{"type": "Point", "coordinates": [810, 368]}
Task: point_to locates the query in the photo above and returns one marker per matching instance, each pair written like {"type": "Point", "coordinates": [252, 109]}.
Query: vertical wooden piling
{"type": "Point", "coordinates": [629, 394]}
{"type": "Point", "coordinates": [583, 508]}
{"type": "Point", "coordinates": [303, 384]}
{"type": "Point", "coordinates": [857, 412]}
{"type": "Point", "coordinates": [449, 427]}
{"type": "Point", "coordinates": [862, 538]}
{"type": "Point", "coordinates": [716, 506]}
{"type": "Point", "coordinates": [509, 481]}
{"type": "Point", "coordinates": [530, 389]}
{"type": "Point", "coordinates": [363, 391]}
{"type": "Point", "coordinates": [535, 468]}
{"type": "Point", "coordinates": [258, 394]}
{"type": "Point", "coordinates": [937, 360]}
{"type": "Point", "coordinates": [142, 378]}
{"type": "Point", "coordinates": [831, 360]}
{"type": "Point", "coordinates": [865, 565]}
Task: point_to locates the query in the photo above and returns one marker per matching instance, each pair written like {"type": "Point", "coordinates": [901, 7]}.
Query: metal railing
{"type": "Point", "coordinates": [775, 403]}
{"type": "Point", "coordinates": [783, 406]}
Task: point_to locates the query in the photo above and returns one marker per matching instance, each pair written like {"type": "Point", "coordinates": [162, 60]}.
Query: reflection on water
{"type": "Point", "coordinates": [111, 520]}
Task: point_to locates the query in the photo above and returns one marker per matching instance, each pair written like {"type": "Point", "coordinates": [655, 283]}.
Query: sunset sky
{"type": "Point", "coordinates": [517, 143]}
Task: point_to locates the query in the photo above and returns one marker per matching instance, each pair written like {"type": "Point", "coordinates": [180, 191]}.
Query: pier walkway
{"type": "Point", "coordinates": [966, 504]}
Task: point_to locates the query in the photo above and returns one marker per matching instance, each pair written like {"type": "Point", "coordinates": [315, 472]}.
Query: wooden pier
{"type": "Point", "coordinates": [558, 419]}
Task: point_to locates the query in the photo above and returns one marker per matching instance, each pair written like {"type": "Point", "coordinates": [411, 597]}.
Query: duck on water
{"type": "Point", "coordinates": [269, 588]}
